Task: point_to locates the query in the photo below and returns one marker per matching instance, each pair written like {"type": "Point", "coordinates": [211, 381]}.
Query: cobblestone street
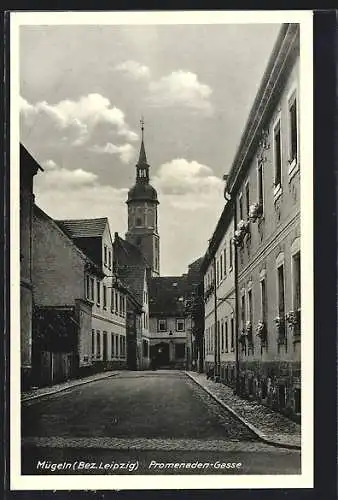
{"type": "Point", "coordinates": [161, 415]}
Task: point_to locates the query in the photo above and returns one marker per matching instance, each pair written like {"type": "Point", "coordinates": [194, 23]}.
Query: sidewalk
{"type": "Point", "coordinates": [53, 389]}
{"type": "Point", "coordinates": [270, 426]}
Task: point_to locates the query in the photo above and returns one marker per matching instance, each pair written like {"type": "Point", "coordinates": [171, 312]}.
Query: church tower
{"type": "Point", "coordinates": [142, 213]}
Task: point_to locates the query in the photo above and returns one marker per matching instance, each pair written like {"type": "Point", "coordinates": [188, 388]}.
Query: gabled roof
{"type": "Point", "coordinates": [28, 161]}
{"type": "Point", "coordinates": [167, 295]}
{"type": "Point", "coordinates": [133, 277]}
{"type": "Point", "coordinates": [90, 263]}
{"type": "Point", "coordinates": [84, 228]}
{"type": "Point", "coordinates": [128, 254]}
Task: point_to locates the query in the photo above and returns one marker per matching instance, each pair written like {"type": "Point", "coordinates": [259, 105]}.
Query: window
{"type": "Point", "coordinates": [180, 326]}
{"type": "Point", "coordinates": [226, 336]}
{"type": "Point", "coordinates": [240, 206]}
{"type": "Point", "coordinates": [225, 261]}
{"type": "Point", "coordinates": [296, 281]}
{"type": "Point", "coordinates": [138, 221]}
{"type": "Point", "coordinates": [217, 272]}
{"type": "Point", "coordinates": [293, 129]}
{"type": "Point", "coordinates": [277, 154]}
{"type": "Point", "coordinates": [243, 311]}
{"type": "Point", "coordinates": [222, 336]}
{"type": "Point", "coordinates": [162, 325]}
{"type": "Point", "coordinates": [221, 266]}
{"type": "Point", "coordinates": [145, 348]}
{"type": "Point", "coordinates": [116, 302]}
{"type": "Point", "coordinates": [230, 254]}
{"type": "Point", "coordinates": [121, 346]}
{"type": "Point", "coordinates": [116, 346]}
{"type": "Point", "coordinates": [93, 343]}
{"type": "Point", "coordinates": [87, 287]}
{"type": "Point", "coordinates": [104, 297]}
{"type": "Point", "coordinates": [112, 300]}
{"type": "Point", "coordinates": [112, 345]}
{"type": "Point", "coordinates": [247, 198]}
{"type": "Point", "coordinates": [109, 259]}
{"type": "Point", "coordinates": [260, 185]}
{"type": "Point", "coordinates": [92, 288]}
{"type": "Point", "coordinates": [105, 250]}
{"type": "Point", "coordinates": [263, 300]}
{"type": "Point", "coordinates": [250, 313]}
{"type": "Point", "coordinates": [98, 292]}
{"type": "Point", "coordinates": [232, 333]}
{"type": "Point", "coordinates": [121, 304]}
{"type": "Point", "coordinates": [98, 344]}
{"type": "Point", "coordinates": [281, 294]}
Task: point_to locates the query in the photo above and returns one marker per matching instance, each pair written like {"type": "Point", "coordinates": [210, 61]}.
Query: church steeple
{"type": "Point", "coordinates": [142, 212]}
{"type": "Point", "coordinates": [142, 167]}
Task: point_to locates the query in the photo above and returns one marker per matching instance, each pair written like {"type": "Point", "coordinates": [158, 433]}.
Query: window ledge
{"type": "Point", "coordinates": [277, 193]}
{"type": "Point", "coordinates": [293, 168]}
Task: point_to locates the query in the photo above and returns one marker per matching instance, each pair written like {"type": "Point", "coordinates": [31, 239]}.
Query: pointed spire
{"type": "Point", "coordinates": [143, 157]}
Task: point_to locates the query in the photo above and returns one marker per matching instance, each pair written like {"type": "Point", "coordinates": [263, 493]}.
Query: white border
{"type": "Point", "coordinates": [105, 482]}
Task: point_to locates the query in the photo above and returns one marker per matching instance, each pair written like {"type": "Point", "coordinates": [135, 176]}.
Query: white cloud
{"type": "Point", "coordinates": [134, 69]}
{"type": "Point", "coordinates": [181, 88]}
{"type": "Point", "coordinates": [126, 152]}
{"type": "Point", "coordinates": [58, 178]}
{"type": "Point", "coordinates": [74, 121]}
{"type": "Point", "coordinates": [67, 194]}
{"type": "Point", "coordinates": [49, 165]}
{"type": "Point", "coordinates": [181, 177]}
{"type": "Point", "coordinates": [188, 217]}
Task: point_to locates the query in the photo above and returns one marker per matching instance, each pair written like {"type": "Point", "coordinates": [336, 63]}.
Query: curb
{"type": "Point", "coordinates": [247, 424]}
{"type": "Point", "coordinates": [83, 382]}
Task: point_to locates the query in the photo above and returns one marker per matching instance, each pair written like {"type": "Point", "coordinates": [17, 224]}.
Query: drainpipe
{"type": "Point", "coordinates": [216, 374]}
{"type": "Point", "coordinates": [237, 388]}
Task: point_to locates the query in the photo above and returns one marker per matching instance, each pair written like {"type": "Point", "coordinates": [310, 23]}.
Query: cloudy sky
{"type": "Point", "coordinates": [83, 90]}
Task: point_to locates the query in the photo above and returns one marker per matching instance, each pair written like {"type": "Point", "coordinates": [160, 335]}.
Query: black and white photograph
{"type": "Point", "coordinates": [161, 250]}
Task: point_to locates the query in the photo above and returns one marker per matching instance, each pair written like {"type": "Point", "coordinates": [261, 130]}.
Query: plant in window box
{"type": "Point", "coordinates": [255, 211]}
{"type": "Point", "coordinates": [242, 229]}
{"type": "Point", "coordinates": [238, 238]}
{"type": "Point", "coordinates": [243, 226]}
{"type": "Point", "coordinates": [261, 330]}
{"type": "Point", "coordinates": [242, 337]}
{"type": "Point", "coordinates": [280, 325]}
{"type": "Point", "coordinates": [248, 328]}
{"type": "Point", "coordinates": [293, 319]}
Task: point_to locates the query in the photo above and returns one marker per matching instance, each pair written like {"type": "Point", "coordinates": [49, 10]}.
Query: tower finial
{"type": "Point", "coordinates": [142, 125]}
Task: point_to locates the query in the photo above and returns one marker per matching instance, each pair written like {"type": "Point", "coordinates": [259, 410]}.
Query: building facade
{"type": "Point", "coordinates": [28, 169]}
{"type": "Point", "coordinates": [107, 294]}
{"type": "Point", "coordinates": [218, 270]}
{"type": "Point", "coordinates": [142, 214]}
{"type": "Point", "coordinates": [132, 269]}
{"type": "Point", "coordinates": [170, 324]}
{"type": "Point", "coordinates": [62, 323]}
{"type": "Point", "coordinates": [264, 182]}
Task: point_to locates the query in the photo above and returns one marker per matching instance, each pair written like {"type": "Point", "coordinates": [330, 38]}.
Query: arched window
{"type": "Point", "coordinates": [150, 218]}
{"type": "Point", "coordinates": [139, 219]}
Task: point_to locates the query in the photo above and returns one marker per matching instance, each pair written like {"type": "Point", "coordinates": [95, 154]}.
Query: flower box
{"type": "Point", "coordinates": [255, 211]}
{"type": "Point", "coordinates": [261, 331]}
{"type": "Point", "coordinates": [294, 320]}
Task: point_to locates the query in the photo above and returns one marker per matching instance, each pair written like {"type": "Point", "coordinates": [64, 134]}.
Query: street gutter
{"type": "Point", "coordinates": [251, 427]}
{"type": "Point", "coordinates": [65, 388]}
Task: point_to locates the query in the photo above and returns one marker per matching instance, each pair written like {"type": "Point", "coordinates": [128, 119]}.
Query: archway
{"type": "Point", "coordinates": [160, 354]}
